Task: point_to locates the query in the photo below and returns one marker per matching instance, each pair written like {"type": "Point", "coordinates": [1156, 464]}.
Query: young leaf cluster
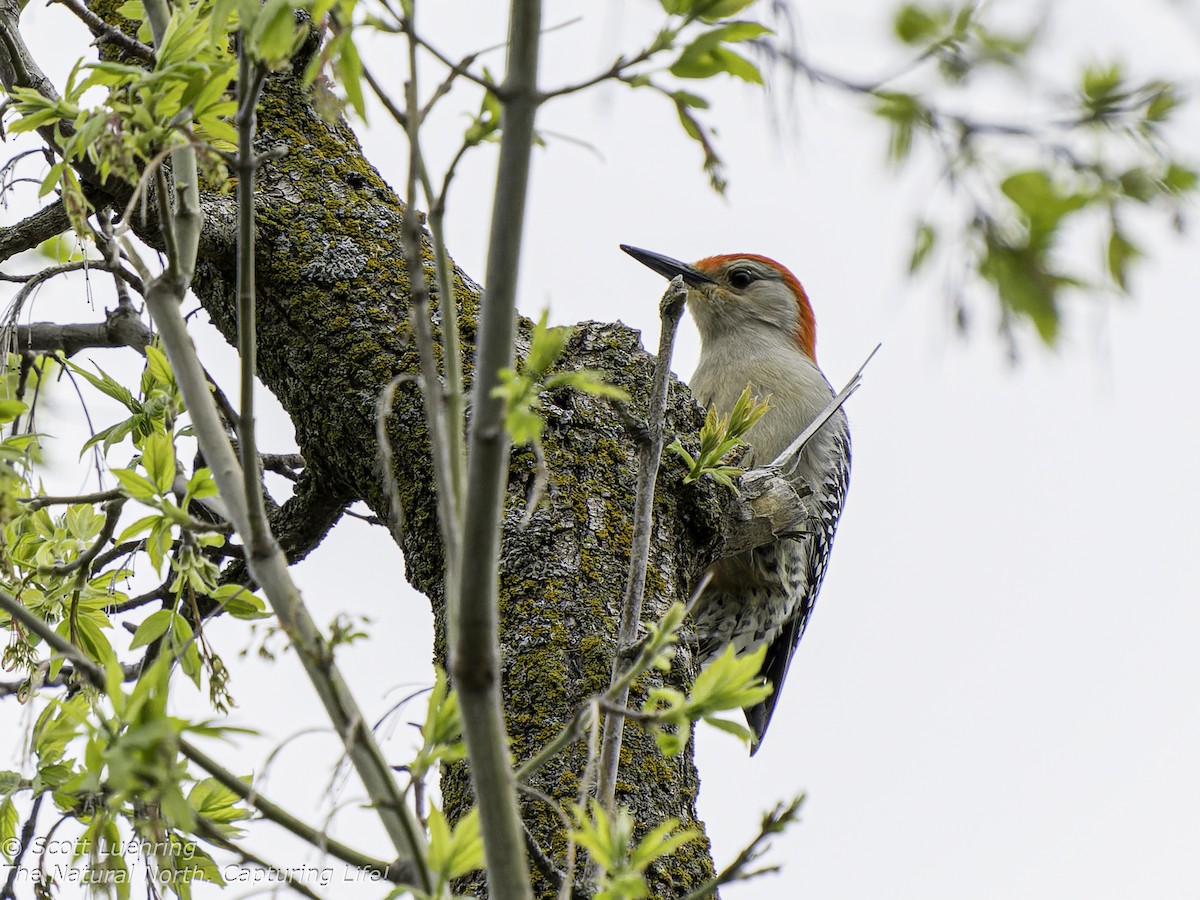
{"type": "Point", "coordinates": [720, 436]}
{"type": "Point", "coordinates": [701, 36]}
{"type": "Point", "coordinates": [521, 389]}
{"type": "Point", "coordinates": [729, 682]}
{"type": "Point", "coordinates": [610, 842]}
{"type": "Point", "coordinates": [1103, 158]}
{"type": "Point", "coordinates": [59, 555]}
{"type": "Point", "coordinates": [111, 760]}
{"type": "Point", "coordinates": [183, 99]}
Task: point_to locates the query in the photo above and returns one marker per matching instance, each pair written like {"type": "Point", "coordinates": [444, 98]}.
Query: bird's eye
{"type": "Point", "coordinates": [741, 278]}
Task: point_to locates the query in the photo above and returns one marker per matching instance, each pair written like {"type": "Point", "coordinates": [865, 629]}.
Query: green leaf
{"type": "Point", "coordinates": [730, 682]}
{"type": "Point", "coordinates": [905, 113]}
{"type": "Point", "coordinates": [143, 524]}
{"type": "Point", "coordinates": [10, 409]}
{"type": "Point", "coordinates": [106, 384]}
{"type": "Point", "coordinates": [1042, 201]}
{"type": "Point", "coordinates": [201, 485]}
{"type": "Point", "coordinates": [676, 447]}
{"type": "Point", "coordinates": [134, 484]}
{"type": "Point", "coordinates": [454, 852]}
{"type": "Point", "coordinates": [707, 56]}
{"type": "Point", "coordinates": [915, 25]}
{"type": "Point", "coordinates": [1121, 252]}
{"type": "Point", "coordinates": [240, 602]}
{"type": "Point", "coordinates": [158, 543]}
{"type": "Point", "coordinates": [350, 72]}
{"type": "Point", "coordinates": [1163, 102]}
{"type": "Point", "coordinates": [1180, 179]}
{"type": "Point", "coordinates": [158, 458]}
{"type": "Point", "coordinates": [159, 366]}
{"type": "Point", "coordinates": [83, 521]}
{"type": "Point", "coordinates": [662, 841]}
{"type": "Point", "coordinates": [737, 729]}
{"type": "Point", "coordinates": [274, 34]}
{"type": "Point", "coordinates": [1138, 184]}
{"type": "Point", "coordinates": [705, 10]}
{"type": "Point", "coordinates": [922, 247]}
{"type": "Point", "coordinates": [546, 345]}
{"type": "Point", "coordinates": [8, 828]}
{"type": "Point", "coordinates": [152, 628]}
{"type": "Point", "coordinates": [215, 802]}
{"type": "Point", "coordinates": [1024, 283]}
{"type": "Point", "coordinates": [132, 9]}
{"type": "Point", "coordinates": [90, 638]}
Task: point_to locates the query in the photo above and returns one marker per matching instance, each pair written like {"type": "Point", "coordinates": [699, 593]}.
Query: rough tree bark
{"type": "Point", "coordinates": [333, 310]}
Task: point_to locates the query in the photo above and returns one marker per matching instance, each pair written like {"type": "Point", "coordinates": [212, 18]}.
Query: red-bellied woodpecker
{"type": "Point", "coordinates": [757, 327]}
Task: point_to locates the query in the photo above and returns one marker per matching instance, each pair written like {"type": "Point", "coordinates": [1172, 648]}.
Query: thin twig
{"type": "Point", "coordinates": [431, 383]}
{"type": "Point", "coordinates": [773, 823]}
{"type": "Point", "coordinates": [211, 833]}
{"type": "Point", "coordinates": [251, 77]}
{"type": "Point", "coordinates": [393, 110]}
{"type": "Point", "coordinates": [619, 67]}
{"type": "Point", "coordinates": [109, 33]}
{"type": "Point", "coordinates": [482, 81]}
{"type": "Point", "coordinates": [15, 867]}
{"type": "Point", "coordinates": [64, 678]}
{"type": "Point", "coordinates": [277, 814]}
{"type": "Point", "coordinates": [32, 504]}
{"type": "Point", "coordinates": [649, 459]}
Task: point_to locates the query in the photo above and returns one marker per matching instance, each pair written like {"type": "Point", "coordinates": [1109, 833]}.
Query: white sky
{"type": "Point", "coordinates": [996, 697]}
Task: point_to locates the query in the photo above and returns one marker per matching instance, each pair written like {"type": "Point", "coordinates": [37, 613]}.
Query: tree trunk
{"type": "Point", "coordinates": [333, 330]}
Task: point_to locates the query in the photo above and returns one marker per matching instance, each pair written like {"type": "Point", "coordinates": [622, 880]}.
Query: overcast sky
{"type": "Point", "coordinates": [996, 697]}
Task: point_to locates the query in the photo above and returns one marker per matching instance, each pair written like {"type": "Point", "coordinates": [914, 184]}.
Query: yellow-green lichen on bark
{"type": "Point", "coordinates": [332, 308]}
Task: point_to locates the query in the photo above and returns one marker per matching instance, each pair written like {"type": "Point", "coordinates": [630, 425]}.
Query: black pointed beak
{"type": "Point", "coordinates": [667, 267]}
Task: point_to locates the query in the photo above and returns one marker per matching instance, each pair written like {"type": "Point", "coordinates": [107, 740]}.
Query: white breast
{"type": "Point", "coordinates": [772, 365]}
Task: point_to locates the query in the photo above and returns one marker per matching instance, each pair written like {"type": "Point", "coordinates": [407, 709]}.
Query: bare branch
{"type": "Point", "coordinates": [109, 34]}
{"type": "Point", "coordinates": [65, 677]}
{"type": "Point", "coordinates": [35, 503]}
{"type": "Point", "coordinates": [482, 81]}
{"type": "Point", "coordinates": [393, 110]}
{"type": "Point", "coordinates": [448, 486]}
{"type": "Point", "coordinates": [650, 457]}
{"type": "Point", "coordinates": [15, 860]}
{"type": "Point", "coordinates": [249, 85]}
{"type": "Point", "coordinates": [773, 823]}
{"type": "Point", "coordinates": [122, 328]}
{"type": "Point", "coordinates": [48, 222]}
{"type": "Point", "coordinates": [59, 644]}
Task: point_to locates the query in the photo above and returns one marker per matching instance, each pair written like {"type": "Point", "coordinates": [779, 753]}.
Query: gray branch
{"type": "Point", "coordinates": [121, 328]}
{"type": "Point", "coordinates": [48, 222]}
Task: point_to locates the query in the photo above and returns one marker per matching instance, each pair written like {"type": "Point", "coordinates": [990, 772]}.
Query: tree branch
{"type": "Point", "coordinates": [122, 327]}
{"type": "Point", "coordinates": [474, 623]}
{"type": "Point", "coordinates": [48, 222]}
{"type": "Point", "coordinates": [277, 814]}
{"type": "Point", "coordinates": [107, 33]}
{"type": "Point", "coordinates": [649, 459]}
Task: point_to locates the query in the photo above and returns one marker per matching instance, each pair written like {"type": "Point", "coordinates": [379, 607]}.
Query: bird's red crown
{"type": "Point", "coordinates": [805, 335]}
